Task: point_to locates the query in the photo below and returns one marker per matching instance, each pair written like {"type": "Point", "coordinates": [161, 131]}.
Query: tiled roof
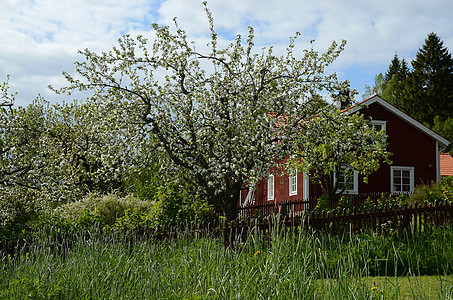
{"type": "Point", "coordinates": [446, 164]}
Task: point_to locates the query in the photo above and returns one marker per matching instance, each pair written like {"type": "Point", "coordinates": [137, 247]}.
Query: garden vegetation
{"type": "Point", "coordinates": [309, 265]}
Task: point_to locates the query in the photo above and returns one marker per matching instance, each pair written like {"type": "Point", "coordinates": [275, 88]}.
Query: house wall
{"type": "Point", "coordinates": [281, 189]}
{"type": "Point", "coordinates": [410, 147]}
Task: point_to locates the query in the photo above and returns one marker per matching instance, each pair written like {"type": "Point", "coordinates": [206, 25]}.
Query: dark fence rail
{"type": "Point", "coordinates": [416, 218]}
{"type": "Point", "coordinates": [299, 206]}
{"type": "Point", "coordinates": [62, 242]}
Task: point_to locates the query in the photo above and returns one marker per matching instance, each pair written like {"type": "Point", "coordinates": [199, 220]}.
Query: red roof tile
{"type": "Point", "coordinates": [446, 164]}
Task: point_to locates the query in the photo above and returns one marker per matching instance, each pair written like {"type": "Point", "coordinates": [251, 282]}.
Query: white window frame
{"type": "Point", "coordinates": [293, 183]}
{"type": "Point", "coordinates": [383, 124]}
{"type": "Point", "coordinates": [411, 178]}
{"type": "Point", "coordinates": [270, 187]}
{"type": "Point", "coordinates": [355, 182]}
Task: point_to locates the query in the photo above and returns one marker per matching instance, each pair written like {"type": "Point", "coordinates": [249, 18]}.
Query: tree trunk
{"type": "Point", "coordinates": [228, 201]}
{"type": "Point", "coordinates": [230, 209]}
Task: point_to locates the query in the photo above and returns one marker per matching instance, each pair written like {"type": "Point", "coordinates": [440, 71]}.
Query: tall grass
{"type": "Point", "coordinates": [305, 266]}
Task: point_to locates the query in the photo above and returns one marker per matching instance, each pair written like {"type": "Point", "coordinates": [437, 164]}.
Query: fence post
{"type": "Point", "coordinates": [225, 235]}
{"type": "Point", "coordinates": [334, 222]}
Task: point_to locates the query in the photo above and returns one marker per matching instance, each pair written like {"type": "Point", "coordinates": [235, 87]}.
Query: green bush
{"type": "Point", "coordinates": [171, 205]}
{"type": "Point", "coordinates": [323, 204]}
{"type": "Point", "coordinates": [105, 210]}
{"type": "Point", "coordinates": [174, 205]}
{"type": "Point", "coordinates": [18, 212]}
{"type": "Point", "coordinates": [388, 201]}
{"type": "Point", "coordinates": [435, 192]}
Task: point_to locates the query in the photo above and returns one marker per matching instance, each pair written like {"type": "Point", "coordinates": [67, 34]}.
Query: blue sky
{"type": "Point", "coordinates": [40, 38]}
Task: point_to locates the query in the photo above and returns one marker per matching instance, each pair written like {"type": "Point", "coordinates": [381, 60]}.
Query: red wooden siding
{"type": "Point", "coordinates": [410, 146]}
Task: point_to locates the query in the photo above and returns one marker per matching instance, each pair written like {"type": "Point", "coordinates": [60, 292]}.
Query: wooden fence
{"type": "Point", "coordinates": [416, 218]}
{"type": "Point", "coordinates": [298, 206]}
{"type": "Point", "coordinates": [62, 242]}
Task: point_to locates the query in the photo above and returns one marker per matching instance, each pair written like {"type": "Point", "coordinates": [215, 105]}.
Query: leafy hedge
{"type": "Point", "coordinates": [170, 205]}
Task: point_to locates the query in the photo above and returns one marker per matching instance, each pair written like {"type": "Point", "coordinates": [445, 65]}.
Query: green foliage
{"type": "Point", "coordinates": [103, 210]}
{"type": "Point", "coordinates": [18, 213]}
{"type": "Point", "coordinates": [345, 203]}
{"type": "Point", "coordinates": [174, 205]}
{"type": "Point", "coordinates": [134, 218]}
{"type": "Point", "coordinates": [440, 192]}
{"type": "Point", "coordinates": [145, 182]}
{"type": "Point", "coordinates": [388, 201]}
{"type": "Point", "coordinates": [324, 204]}
{"type": "Point", "coordinates": [391, 85]}
{"type": "Point", "coordinates": [337, 143]}
{"type": "Point", "coordinates": [444, 127]}
{"type": "Point", "coordinates": [171, 205]}
{"type": "Point", "coordinates": [425, 91]}
{"type": "Point", "coordinates": [428, 92]}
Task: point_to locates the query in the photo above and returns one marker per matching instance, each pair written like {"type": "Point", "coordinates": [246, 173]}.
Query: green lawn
{"type": "Point", "coordinates": [404, 287]}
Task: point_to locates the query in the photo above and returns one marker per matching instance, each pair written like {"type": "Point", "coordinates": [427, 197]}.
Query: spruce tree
{"type": "Point", "coordinates": [429, 88]}
{"type": "Point", "coordinates": [394, 68]}
{"type": "Point", "coordinates": [391, 85]}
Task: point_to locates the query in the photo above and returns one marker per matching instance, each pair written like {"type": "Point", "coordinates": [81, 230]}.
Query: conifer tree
{"type": "Point", "coordinates": [391, 85]}
{"type": "Point", "coordinates": [429, 89]}
{"type": "Point", "coordinates": [394, 68]}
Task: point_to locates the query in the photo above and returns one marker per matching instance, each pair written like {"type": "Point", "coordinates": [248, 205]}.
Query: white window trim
{"type": "Point", "coordinates": [270, 187]}
{"type": "Point", "coordinates": [411, 174]}
{"type": "Point", "coordinates": [382, 123]}
{"type": "Point", "coordinates": [293, 177]}
{"type": "Point", "coordinates": [355, 190]}
{"type": "Point", "coordinates": [306, 186]}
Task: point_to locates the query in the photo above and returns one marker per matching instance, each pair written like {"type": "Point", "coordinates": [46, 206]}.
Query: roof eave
{"type": "Point", "coordinates": [365, 103]}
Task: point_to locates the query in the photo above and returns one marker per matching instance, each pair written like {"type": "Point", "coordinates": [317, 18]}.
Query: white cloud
{"type": "Point", "coordinates": [40, 38]}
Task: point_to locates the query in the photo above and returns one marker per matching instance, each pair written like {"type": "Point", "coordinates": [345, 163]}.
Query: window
{"type": "Point", "coordinates": [270, 187]}
{"type": "Point", "coordinates": [350, 183]}
{"type": "Point", "coordinates": [379, 125]}
{"type": "Point", "coordinates": [402, 179]}
{"type": "Point", "coordinates": [293, 183]}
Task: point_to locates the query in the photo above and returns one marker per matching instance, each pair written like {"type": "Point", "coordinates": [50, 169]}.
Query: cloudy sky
{"type": "Point", "coordinates": [40, 38]}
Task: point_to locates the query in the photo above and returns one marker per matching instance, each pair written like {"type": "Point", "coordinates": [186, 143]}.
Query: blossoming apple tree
{"type": "Point", "coordinates": [216, 113]}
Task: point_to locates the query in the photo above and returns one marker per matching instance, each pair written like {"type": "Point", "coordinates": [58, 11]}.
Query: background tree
{"type": "Point", "coordinates": [445, 129]}
{"type": "Point", "coordinates": [391, 85]}
{"type": "Point", "coordinates": [20, 150]}
{"type": "Point", "coordinates": [215, 113]}
{"type": "Point", "coordinates": [52, 154]}
{"type": "Point", "coordinates": [429, 89]}
{"type": "Point", "coordinates": [426, 92]}
{"type": "Point", "coordinates": [337, 144]}
{"type": "Point", "coordinates": [64, 150]}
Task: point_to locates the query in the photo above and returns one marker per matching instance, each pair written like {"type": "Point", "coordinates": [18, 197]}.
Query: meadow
{"type": "Point", "coordinates": [308, 265]}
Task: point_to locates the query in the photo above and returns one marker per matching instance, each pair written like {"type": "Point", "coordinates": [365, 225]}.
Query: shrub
{"type": "Point", "coordinates": [174, 205]}
{"type": "Point", "coordinates": [435, 192]}
{"type": "Point", "coordinates": [18, 212]}
{"type": "Point", "coordinates": [388, 200]}
{"type": "Point", "coordinates": [323, 204]}
{"type": "Point", "coordinates": [102, 209]}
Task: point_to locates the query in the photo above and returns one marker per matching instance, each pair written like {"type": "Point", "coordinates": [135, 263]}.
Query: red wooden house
{"type": "Point", "coordinates": [416, 160]}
